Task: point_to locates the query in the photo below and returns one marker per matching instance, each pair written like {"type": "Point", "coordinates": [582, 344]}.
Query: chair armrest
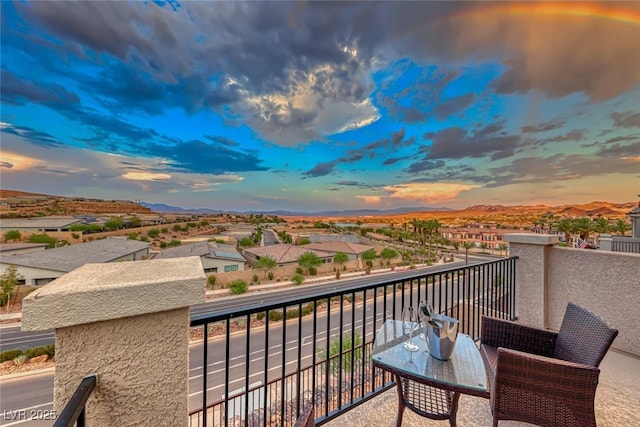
{"type": "Point", "coordinates": [507, 334]}
{"type": "Point", "coordinates": [529, 385]}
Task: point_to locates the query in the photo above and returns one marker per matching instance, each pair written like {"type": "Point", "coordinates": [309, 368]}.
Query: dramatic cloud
{"type": "Point", "coordinates": [427, 192]}
{"type": "Point", "coordinates": [371, 200]}
{"type": "Point", "coordinates": [458, 143]}
{"type": "Point", "coordinates": [626, 120]}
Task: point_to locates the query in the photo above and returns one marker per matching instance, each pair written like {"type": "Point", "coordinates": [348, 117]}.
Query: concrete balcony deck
{"type": "Point", "coordinates": [617, 402]}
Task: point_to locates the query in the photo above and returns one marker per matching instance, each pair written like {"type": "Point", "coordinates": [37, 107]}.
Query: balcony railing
{"type": "Point", "coordinates": [261, 365]}
{"type": "Point", "coordinates": [74, 412]}
{"type": "Point", "coordinates": [625, 244]}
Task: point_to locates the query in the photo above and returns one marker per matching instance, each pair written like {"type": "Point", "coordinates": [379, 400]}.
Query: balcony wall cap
{"type": "Point", "coordinates": [98, 292]}
{"type": "Point", "coordinates": [531, 239]}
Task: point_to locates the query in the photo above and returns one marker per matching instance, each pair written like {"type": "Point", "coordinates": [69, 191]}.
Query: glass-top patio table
{"type": "Point", "coordinates": [428, 386]}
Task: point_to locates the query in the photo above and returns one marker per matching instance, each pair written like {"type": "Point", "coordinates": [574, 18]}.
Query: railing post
{"type": "Point", "coordinates": [127, 322]}
{"type": "Point", "coordinates": [532, 251]}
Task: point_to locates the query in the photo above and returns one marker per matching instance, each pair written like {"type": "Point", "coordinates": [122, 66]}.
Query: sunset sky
{"type": "Point", "coordinates": [322, 106]}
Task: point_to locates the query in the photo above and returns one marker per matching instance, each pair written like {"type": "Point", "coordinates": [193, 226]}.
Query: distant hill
{"type": "Point", "coordinates": [23, 204]}
{"type": "Point", "coordinates": [162, 208]}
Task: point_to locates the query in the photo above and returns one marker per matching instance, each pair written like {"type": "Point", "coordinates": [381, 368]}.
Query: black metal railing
{"type": "Point", "coordinates": [261, 365]}
{"type": "Point", "coordinates": [74, 411]}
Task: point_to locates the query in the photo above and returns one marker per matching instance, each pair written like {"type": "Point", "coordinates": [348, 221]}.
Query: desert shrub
{"type": "Point", "coordinates": [163, 245]}
{"type": "Point", "coordinates": [212, 281]}
{"type": "Point", "coordinates": [238, 287]}
{"type": "Point", "coordinates": [270, 275]}
{"type": "Point", "coordinates": [9, 355]}
{"type": "Point", "coordinates": [275, 315]}
{"type": "Point", "coordinates": [297, 279]}
{"type": "Point", "coordinates": [255, 278]}
{"type": "Point", "coordinates": [299, 270]}
{"type": "Point", "coordinates": [292, 313]}
{"type": "Point", "coordinates": [49, 350]}
{"type": "Point", "coordinates": [313, 271]}
{"type": "Point", "coordinates": [132, 236]}
{"type": "Point", "coordinates": [307, 309]}
{"type": "Point", "coordinates": [261, 315]}
{"type": "Point", "coordinates": [20, 359]}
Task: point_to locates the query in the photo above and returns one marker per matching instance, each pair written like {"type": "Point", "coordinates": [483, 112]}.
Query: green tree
{"type": "Point", "coordinates": [388, 254]}
{"type": "Point", "coordinates": [12, 235]}
{"type": "Point", "coordinates": [503, 247]}
{"type": "Point", "coordinates": [584, 226]}
{"type": "Point", "coordinates": [621, 227]}
{"type": "Point", "coordinates": [484, 246]}
{"type": "Point", "coordinates": [308, 260]}
{"type": "Point", "coordinates": [8, 281]}
{"type": "Point", "coordinates": [135, 221]}
{"type": "Point", "coordinates": [340, 258]}
{"type": "Point", "coordinates": [602, 225]}
{"type": "Point", "coordinates": [113, 224]}
{"type": "Point", "coordinates": [267, 263]}
{"type": "Point", "coordinates": [368, 258]}
{"type": "Point", "coordinates": [566, 226]}
{"type": "Point", "coordinates": [43, 238]}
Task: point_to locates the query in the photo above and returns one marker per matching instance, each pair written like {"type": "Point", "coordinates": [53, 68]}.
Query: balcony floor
{"type": "Point", "coordinates": [617, 402]}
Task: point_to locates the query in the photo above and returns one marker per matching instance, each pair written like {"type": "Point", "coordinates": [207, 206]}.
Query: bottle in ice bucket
{"type": "Point", "coordinates": [440, 332]}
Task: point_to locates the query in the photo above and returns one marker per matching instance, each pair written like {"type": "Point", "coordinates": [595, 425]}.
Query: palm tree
{"type": "Point", "coordinates": [467, 246]}
{"type": "Point", "coordinates": [502, 247]}
{"type": "Point", "coordinates": [566, 226]}
{"type": "Point", "coordinates": [584, 226]}
{"type": "Point", "coordinates": [621, 227]}
{"type": "Point", "coordinates": [602, 225]}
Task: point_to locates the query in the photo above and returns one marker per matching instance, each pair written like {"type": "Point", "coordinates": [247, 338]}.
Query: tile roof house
{"type": "Point", "coordinates": [352, 250]}
{"type": "Point", "coordinates": [215, 257]}
{"type": "Point", "coordinates": [20, 248]}
{"type": "Point", "coordinates": [39, 268]}
{"type": "Point", "coordinates": [284, 254]}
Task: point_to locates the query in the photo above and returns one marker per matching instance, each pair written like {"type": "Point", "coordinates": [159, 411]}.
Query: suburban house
{"type": "Point", "coordinates": [215, 257]}
{"type": "Point", "coordinates": [39, 268]}
{"type": "Point", "coordinates": [284, 254]}
{"type": "Point", "coordinates": [10, 249]}
{"type": "Point", "coordinates": [352, 250]}
{"type": "Point", "coordinates": [39, 225]}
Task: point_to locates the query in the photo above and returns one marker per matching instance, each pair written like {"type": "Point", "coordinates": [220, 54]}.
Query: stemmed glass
{"type": "Point", "coordinates": [410, 323]}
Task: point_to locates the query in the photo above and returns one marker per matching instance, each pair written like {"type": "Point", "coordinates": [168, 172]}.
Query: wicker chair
{"type": "Point", "coordinates": [542, 377]}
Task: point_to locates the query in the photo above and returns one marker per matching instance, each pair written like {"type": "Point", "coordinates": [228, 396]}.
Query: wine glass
{"type": "Point", "coordinates": [410, 324]}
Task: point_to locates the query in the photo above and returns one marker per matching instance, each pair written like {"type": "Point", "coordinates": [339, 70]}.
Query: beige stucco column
{"type": "Point", "coordinates": [127, 322]}
{"type": "Point", "coordinates": [532, 251]}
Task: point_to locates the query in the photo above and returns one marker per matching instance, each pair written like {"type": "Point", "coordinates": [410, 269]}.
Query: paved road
{"type": "Point", "coordinates": [11, 337]}
{"type": "Point", "coordinates": [35, 393]}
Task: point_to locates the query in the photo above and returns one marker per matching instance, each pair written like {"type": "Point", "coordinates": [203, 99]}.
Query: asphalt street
{"type": "Point", "coordinates": [20, 396]}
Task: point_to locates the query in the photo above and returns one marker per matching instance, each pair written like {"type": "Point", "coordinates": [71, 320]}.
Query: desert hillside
{"type": "Point", "coordinates": [22, 204]}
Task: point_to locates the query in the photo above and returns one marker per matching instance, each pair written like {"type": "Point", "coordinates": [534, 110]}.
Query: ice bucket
{"type": "Point", "coordinates": [441, 333]}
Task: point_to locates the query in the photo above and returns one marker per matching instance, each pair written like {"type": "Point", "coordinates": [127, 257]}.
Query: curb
{"type": "Point", "coordinates": [27, 373]}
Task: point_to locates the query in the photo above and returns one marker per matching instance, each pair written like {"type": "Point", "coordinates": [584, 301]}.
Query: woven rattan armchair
{"type": "Point", "coordinates": [542, 377]}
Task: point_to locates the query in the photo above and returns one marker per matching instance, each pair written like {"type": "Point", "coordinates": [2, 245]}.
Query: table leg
{"type": "Point", "coordinates": [400, 402]}
{"type": "Point", "coordinates": [454, 409]}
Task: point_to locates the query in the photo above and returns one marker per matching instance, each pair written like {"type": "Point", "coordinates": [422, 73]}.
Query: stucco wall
{"type": "Point", "coordinates": [142, 364]}
{"type": "Point", "coordinates": [606, 283]}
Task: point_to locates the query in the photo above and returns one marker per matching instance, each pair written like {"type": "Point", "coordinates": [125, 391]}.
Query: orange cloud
{"type": "Point", "coordinates": [372, 200]}
{"type": "Point", "coordinates": [427, 191]}
{"type": "Point", "coordinates": [146, 176]}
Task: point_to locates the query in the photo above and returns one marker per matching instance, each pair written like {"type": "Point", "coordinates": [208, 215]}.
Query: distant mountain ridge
{"type": "Point", "coordinates": [22, 202]}
{"type": "Point", "coordinates": [163, 208]}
